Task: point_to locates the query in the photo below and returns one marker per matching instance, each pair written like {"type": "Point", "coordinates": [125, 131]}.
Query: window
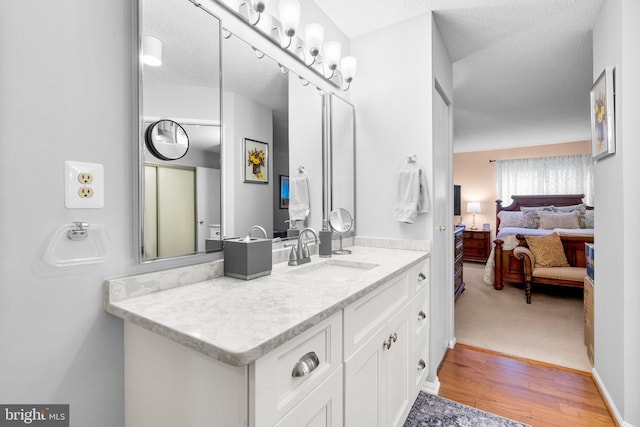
{"type": "Point", "coordinates": [571, 174]}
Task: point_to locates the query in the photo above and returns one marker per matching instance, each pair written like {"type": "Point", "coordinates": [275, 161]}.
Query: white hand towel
{"type": "Point", "coordinates": [412, 196]}
{"type": "Point", "coordinates": [298, 197]}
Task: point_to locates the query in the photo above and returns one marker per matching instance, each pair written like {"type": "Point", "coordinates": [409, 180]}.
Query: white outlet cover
{"type": "Point", "coordinates": [71, 185]}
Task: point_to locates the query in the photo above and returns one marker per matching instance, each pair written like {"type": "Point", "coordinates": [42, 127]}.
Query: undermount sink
{"type": "Point", "coordinates": [334, 268]}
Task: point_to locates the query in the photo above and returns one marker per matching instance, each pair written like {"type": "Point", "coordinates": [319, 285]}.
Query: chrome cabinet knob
{"type": "Point", "coordinates": [422, 315]}
{"type": "Point", "coordinates": [307, 364]}
{"type": "Point", "coordinates": [421, 277]}
{"type": "Point", "coordinates": [421, 365]}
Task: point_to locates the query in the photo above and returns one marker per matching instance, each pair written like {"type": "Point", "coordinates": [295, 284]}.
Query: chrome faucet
{"type": "Point", "coordinates": [300, 252]}
{"type": "Point", "coordinates": [257, 227]}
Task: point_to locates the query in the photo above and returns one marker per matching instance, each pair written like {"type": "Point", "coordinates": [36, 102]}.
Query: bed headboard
{"type": "Point", "coordinates": [539, 200]}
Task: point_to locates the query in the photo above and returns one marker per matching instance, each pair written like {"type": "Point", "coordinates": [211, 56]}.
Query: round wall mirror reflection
{"type": "Point", "coordinates": [167, 140]}
{"type": "Point", "coordinates": [341, 222]}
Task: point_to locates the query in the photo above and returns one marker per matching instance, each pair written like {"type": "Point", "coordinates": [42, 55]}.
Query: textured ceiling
{"type": "Point", "coordinates": [522, 68]}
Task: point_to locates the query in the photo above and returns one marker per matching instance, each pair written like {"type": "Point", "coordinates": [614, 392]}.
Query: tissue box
{"type": "Point", "coordinates": [247, 259]}
{"type": "Point", "coordinates": [589, 254]}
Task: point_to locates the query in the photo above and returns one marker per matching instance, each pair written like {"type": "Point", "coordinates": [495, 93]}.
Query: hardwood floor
{"type": "Point", "coordinates": [525, 391]}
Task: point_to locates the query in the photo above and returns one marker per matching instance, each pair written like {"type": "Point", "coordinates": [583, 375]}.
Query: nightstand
{"type": "Point", "coordinates": [477, 245]}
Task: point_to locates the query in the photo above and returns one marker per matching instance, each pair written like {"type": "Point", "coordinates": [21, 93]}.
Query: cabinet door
{"type": "Point", "coordinates": [363, 400]}
{"type": "Point", "coordinates": [396, 366]}
{"type": "Point", "coordinates": [377, 382]}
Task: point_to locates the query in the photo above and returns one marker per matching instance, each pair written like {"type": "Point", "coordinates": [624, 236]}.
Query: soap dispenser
{"type": "Point", "coordinates": [326, 236]}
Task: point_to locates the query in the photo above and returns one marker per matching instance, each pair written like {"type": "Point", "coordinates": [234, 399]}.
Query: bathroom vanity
{"type": "Point", "coordinates": [337, 341]}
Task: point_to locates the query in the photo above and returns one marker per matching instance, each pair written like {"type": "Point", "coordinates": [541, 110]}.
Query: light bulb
{"type": "Point", "coordinates": [289, 16]}
{"type": "Point", "coordinates": [313, 37]}
{"type": "Point", "coordinates": [332, 52]}
{"type": "Point", "coordinates": [348, 67]}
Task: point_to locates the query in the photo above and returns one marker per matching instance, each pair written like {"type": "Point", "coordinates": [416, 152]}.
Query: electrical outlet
{"type": "Point", "coordinates": [84, 185]}
{"type": "Point", "coordinates": [85, 178]}
{"type": "Point", "coordinates": [85, 192]}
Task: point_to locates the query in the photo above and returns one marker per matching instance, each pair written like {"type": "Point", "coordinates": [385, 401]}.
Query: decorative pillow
{"type": "Point", "coordinates": [551, 220]}
{"type": "Point", "coordinates": [588, 219]}
{"type": "Point", "coordinates": [511, 219]}
{"type": "Point", "coordinates": [530, 214]}
{"type": "Point", "coordinates": [547, 250]}
{"type": "Point", "coordinates": [582, 208]}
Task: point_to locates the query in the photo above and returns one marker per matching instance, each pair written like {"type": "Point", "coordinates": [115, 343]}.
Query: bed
{"type": "Point", "coordinates": [502, 267]}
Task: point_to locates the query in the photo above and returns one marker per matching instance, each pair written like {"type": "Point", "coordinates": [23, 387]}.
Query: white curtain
{"type": "Point", "coordinates": [571, 174]}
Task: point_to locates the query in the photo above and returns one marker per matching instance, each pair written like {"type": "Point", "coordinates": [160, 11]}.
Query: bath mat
{"type": "Point", "coordinates": [429, 410]}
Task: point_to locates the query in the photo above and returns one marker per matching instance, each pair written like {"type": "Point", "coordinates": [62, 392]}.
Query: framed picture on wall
{"type": "Point", "coordinates": [603, 127]}
{"type": "Point", "coordinates": [284, 191]}
{"type": "Point", "coordinates": [256, 161]}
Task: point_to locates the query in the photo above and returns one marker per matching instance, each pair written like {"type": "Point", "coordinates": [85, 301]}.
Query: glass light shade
{"type": "Point", "coordinates": [259, 5]}
{"type": "Point", "coordinates": [332, 53]}
{"type": "Point", "coordinates": [151, 51]}
{"type": "Point", "coordinates": [348, 67]}
{"type": "Point", "coordinates": [313, 37]}
{"type": "Point", "coordinates": [473, 207]}
{"type": "Point", "coordinates": [289, 16]}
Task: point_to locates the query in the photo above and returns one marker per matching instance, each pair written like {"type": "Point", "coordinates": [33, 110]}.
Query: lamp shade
{"type": "Point", "coordinates": [473, 207]}
{"type": "Point", "coordinates": [151, 51]}
{"type": "Point", "coordinates": [332, 53]}
{"type": "Point", "coordinates": [313, 37]}
{"type": "Point", "coordinates": [348, 66]}
{"type": "Point", "coordinates": [289, 16]}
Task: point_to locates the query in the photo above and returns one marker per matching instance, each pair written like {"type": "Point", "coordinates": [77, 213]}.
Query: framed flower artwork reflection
{"type": "Point", "coordinates": [603, 127]}
{"type": "Point", "coordinates": [256, 161]}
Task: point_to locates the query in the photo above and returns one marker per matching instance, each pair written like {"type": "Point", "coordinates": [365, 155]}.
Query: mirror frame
{"type": "Point", "coordinates": [140, 139]}
{"type": "Point", "coordinates": [151, 142]}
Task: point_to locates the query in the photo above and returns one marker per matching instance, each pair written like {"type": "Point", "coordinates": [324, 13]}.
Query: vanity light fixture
{"type": "Point", "coordinates": [255, 8]}
{"type": "Point", "coordinates": [151, 51]}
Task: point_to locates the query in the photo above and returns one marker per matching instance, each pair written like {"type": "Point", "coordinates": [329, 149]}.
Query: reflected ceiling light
{"type": "Point", "coordinates": [151, 51]}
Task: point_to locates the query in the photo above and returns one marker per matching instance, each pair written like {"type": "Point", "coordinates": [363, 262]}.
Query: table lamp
{"type": "Point", "coordinates": [473, 208]}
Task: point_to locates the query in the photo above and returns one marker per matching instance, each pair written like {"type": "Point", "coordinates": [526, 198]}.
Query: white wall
{"type": "Point", "coordinates": [393, 99]}
{"type": "Point", "coordinates": [392, 96]}
{"type": "Point", "coordinates": [630, 97]}
{"type": "Point", "coordinates": [616, 293]}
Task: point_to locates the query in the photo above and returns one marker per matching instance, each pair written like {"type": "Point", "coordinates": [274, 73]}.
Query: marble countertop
{"type": "Point", "coordinates": [237, 321]}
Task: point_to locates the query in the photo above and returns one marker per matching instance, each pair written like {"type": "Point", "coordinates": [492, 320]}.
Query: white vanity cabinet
{"type": "Point", "coordinates": [360, 363]}
{"type": "Point", "coordinates": [169, 385]}
{"type": "Point", "coordinates": [385, 359]}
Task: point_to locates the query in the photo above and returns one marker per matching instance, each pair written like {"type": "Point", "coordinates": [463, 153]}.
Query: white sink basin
{"type": "Point", "coordinates": [333, 269]}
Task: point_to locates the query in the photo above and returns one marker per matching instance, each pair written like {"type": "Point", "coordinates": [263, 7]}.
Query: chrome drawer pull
{"type": "Point", "coordinates": [421, 365]}
{"type": "Point", "coordinates": [421, 277]}
{"type": "Point", "coordinates": [394, 337]}
{"type": "Point", "coordinates": [422, 315]}
{"type": "Point", "coordinates": [307, 364]}
{"type": "Point", "coordinates": [387, 344]}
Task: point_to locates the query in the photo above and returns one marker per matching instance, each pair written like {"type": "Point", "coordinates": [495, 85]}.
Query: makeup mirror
{"type": "Point", "coordinates": [167, 140]}
{"type": "Point", "coordinates": [341, 223]}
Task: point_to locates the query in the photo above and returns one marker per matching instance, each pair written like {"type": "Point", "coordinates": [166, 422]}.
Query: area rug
{"type": "Point", "coordinates": [429, 410]}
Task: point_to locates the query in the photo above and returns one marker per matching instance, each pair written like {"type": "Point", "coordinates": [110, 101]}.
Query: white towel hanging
{"type": "Point", "coordinates": [412, 192]}
{"type": "Point", "coordinates": [299, 196]}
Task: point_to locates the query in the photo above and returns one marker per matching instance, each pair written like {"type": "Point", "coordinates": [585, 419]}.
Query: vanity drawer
{"type": "Point", "coordinates": [365, 316]}
{"type": "Point", "coordinates": [419, 364]}
{"type": "Point", "coordinates": [420, 276]}
{"type": "Point", "coordinates": [272, 377]}
{"type": "Point", "coordinates": [420, 314]}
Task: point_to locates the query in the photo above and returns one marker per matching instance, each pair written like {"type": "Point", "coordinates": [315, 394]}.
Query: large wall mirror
{"type": "Point", "coordinates": [180, 104]}
{"type": "Point", "coordinates": [266, 108]}
{"type": "Point", "coordinates": [343, 156]}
